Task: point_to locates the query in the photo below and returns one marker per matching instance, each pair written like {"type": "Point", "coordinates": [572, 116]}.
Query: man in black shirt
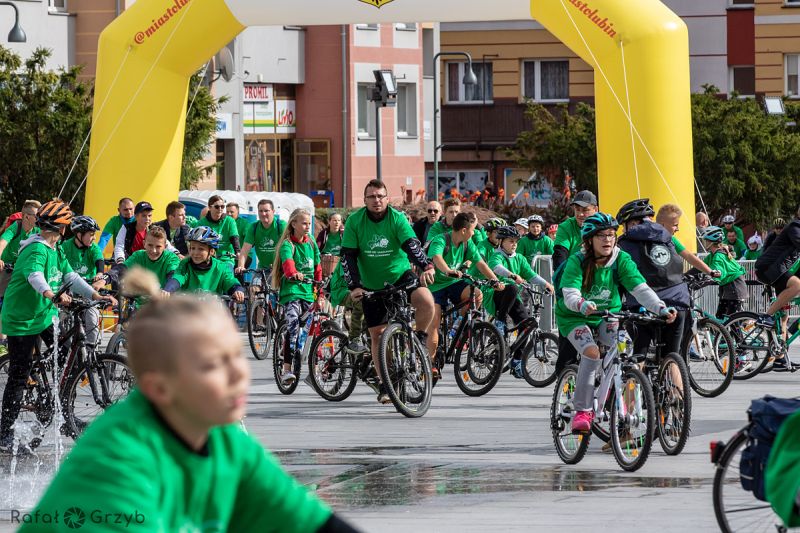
{"type": "Point", "coordinates": [775, 268]}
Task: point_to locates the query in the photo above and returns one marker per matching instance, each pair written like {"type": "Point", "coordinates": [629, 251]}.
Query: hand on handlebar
{"type": "Point", "coordinates": [238, 271]}
{"type": "Point", "coordinates": [64, 298]}
{"type": "Point", "coordinates": [454, 273]}
{"type": "Point", "coordinates": [357, 294]}
{"type": "Point", "coordinates": [549, 289]}
{"type": "Point", "coordinates": [588, 307]}
{"type": "Point", "coordinates": [715, 274]}
{"type": "Point", "coordinates": [238, 297]}
{"type": "Point", "coordinates": [426, 278]}
{"type": "Point", "coordinates": [669, 313]}
{"type": "Point", "coordinates": [298, 276]}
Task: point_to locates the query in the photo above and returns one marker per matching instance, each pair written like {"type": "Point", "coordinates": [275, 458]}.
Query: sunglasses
{"type": "Point", "coordinates": [431, 211]}
{"type": "Point", "coordinates": [219, 206]}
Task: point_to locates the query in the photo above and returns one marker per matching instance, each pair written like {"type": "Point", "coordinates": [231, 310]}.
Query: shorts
{"type": "Point", "coordinates": [780, 284]}
{"type": "Point", "coordinates": [375, 311]}
{"type": "Point", "coordinates": [451, 293]}
{"type": "Point", "coordinates": [582, 337]}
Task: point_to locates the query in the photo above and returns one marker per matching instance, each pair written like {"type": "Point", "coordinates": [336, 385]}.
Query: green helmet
{"type": "Point", "coordinates": [712, 234]}
{"type": "Point", "coordinates": [597, 223]}
{"type": "Point", "coordinates": [494, 223]}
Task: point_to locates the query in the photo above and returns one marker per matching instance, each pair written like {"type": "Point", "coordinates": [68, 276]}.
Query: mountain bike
{"type": "Point", "coordinates": [335, 366]}
{"type": "Point", "coordinates": [623, 396]}
{"type": "Point", "coordinates": [263, 313]}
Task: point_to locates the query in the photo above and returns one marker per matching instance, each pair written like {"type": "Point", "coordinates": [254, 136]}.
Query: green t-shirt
{"type": "Point", "coordinates": [679, 247]}
{"type": "Point", "coordinates": [162, 267]}
{"type": "Point", "coordinates": [191, 221]}
{"type": "Point", "coordinates": [113, 226]}
{"type": "Point", "coordinates": [737, 229]}
{"type": "Point", "coordinates": [730, 268]}
{"type": "Point", "coordinates": [25, 311]}
{"type": "Point", "coordinates": [306, 258]}
{"type": "Point", "coordinates": [264, 240]}
{"type": "Point", "coordinates": [381, 257]}
{"type": "Point", "coordinates": [10, 235]}
{"type": "Point", "coordinates": [518, 264]}
{"type": "Point", "coordinates": [333, 244]}
{"type": "Point", "coordinates": [226, 228]}
{"type": "Point", "coordinates": [479, 236]}
{"type": "Point", "coordinates": [242, 224]}
{"type": "Point", "coordinates": [604, 292]}
{"type": "Point", "coordinates": [782, 476]}
{"type": "Point", "coordinates": [338, 286]}
{"type": "Point", "coordinates": [453, 255]}
{"type": "Point", "coordinates": [485, 250]}
{"type": "Point", "coordinates": [752, 255]}
{"type": "Point", "coordinates": [218, 279]}
{"type": "Point", "coordinates": [437, 229]}
{"type": "Point", "coordinates": [569, 235]}
{"type": "Point", "coordinates": [530, 247]}
{"type": "Point", "coordinates": [82, 260]}
{"type": "Point", "coordinates": [129, 462]}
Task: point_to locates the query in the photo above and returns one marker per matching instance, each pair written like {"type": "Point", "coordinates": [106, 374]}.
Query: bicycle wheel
{"type": "Point", "coordinates": [406, 371]}
{"type": "Point", "coordinates": [118, 344]}
{"type": "Point", "coordinates": [710, 356]}
{"type": "Point", "coordinates": [539, 360]}
{"type": "Point", "coordinates": [484, 351]}
{"type": "Point", "coordinates": [258, 328]}
{"type": "Point", "coordinates": [753, 348]}
{"type": "Point", "coordinates": [673, 404]}
{"type": "Point", "coordinates": [331, 366]}
{"type": "Point", "coordinates": [738, 510]}
{"type": "Point", "coordinates": [112, 375]}
{"type": "Point", "coordinates": [570, 447]}
{"type": "Point", "coordinates": [632, 428]}
{"type": "Point", "coordinates": [38, 407]}
{"type": "Point", "coordinates": [282, 353]}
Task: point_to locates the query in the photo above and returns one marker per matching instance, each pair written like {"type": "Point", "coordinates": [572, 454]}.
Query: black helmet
{"type": "Point", "coordinates": [507, 232]}
{"type": "Point", "coordinates": [83, 224]}
{"type": "Point", "coordinates": [636, 209]}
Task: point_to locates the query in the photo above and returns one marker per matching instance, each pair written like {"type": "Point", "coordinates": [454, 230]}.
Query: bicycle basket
{"type": "Point", "coordinates": [766, 416]}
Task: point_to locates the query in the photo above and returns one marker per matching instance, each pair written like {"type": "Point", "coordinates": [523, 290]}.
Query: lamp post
{"type": "Point", "coordinates": [16, 35]}
{"type": "Point", "coordinates": [384, 94]}
{"type": "Point", "coordinates": [469, 80]}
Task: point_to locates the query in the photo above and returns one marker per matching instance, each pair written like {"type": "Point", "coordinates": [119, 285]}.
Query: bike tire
{"type": "Point", "coordinates": [485, 352]}
{"type": "Point", "coordinates": [322, 364]}
{"type": "Point", "coordinates": [117, 343]}
{"type": "Point", "coordinates": [258, 335]}
{"type": "Point", "coordinates": [539, 360]}
{"type": "Point", "coordinates": [673, 404]}
{"type": "Point", "coordinates": [408, 383]}
{"type": "Point", "coordinates": [570, 447]}
{"type": "Point", "coordinates": [623, 442]}
{"type": "Point", "coordinates": [280, 349]}
{"type": "Point", "coordinates": [712, 368]}
{"type": "Point", "coordinates": [77, 400]}
{"type": "Point", "coordinates": [753, 344]}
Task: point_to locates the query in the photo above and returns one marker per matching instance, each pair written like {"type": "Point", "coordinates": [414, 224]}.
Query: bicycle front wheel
{"type": "Point", "coordinates": [483, 349]}
{"type": "Point", "coordinates": [753, 344]}
{"type": "Point", "coordinates": [570, 447]}
{"type": "Point", "coordinates": [331, 366]}
{"type": "Point", "coordinates": [632, 420]}
{"type": "Point", "coordinates": [710, 356]}
{"type": "Point", "coordinates": [539, 360]}
{"type": "Point", "coordinates": [258, 328]}
{"type": "Point", "coordinates": [406, 371]}
{"type": "Point", "coordinates": [673, 404]}
{"type": "Point", "coordinates": [282, 353]}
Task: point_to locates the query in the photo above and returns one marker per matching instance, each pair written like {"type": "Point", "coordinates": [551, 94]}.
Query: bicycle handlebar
{"type": "Point", "coordinates": [390, 289]}
{"type": "Point", "coordinates": [699, 280]}
{"type": "Point", "coordinates": [623, 316]}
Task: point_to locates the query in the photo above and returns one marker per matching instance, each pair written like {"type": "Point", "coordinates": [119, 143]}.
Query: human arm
{"type": "Point", "coordinates": [695, 261]}
{"type": "Point", "coordinates": [119, 247]}
{"type": "Point", "coordinates": [242, 257]}
{"type": "Point", "coordinates": [103, 240]}
{"type": "Point", "coordinates": [560, 254]}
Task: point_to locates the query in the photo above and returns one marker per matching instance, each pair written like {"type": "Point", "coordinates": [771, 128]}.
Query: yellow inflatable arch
{"type": "Point", "coordinates": [639, 50]}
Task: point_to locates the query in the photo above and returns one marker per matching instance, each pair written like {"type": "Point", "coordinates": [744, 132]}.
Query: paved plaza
{"type": "Point", "coordinates": [471, 464]}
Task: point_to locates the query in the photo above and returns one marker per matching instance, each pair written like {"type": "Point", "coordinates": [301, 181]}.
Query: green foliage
{"type": "Point", "coordinates": [201, 124]}
{"type": "Point", "coordinates": [559, 141]}
{"type": "Point", "coordinates": [44, 117]}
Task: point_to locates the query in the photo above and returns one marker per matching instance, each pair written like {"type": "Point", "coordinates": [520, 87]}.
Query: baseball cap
{"type": "Point", "coordinates": [584, 199]}
{"type": "Point", "coordinates": [141, 207]}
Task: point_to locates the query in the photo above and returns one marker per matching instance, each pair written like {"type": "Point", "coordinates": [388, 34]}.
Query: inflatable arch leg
{"type": "Point", "coordinates": [147, 55]}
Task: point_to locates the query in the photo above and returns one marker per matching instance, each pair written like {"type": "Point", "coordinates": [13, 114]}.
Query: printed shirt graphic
{"type": "Point", "coordinates": [569, 235]}
{"type": "Point", "coordinates": [10, 236]}
{"type": "Point", "coordinates": [604, 291]}
{"type": "Point", "coordinates": [381, 257]}
{"type": "Point", "coordinates": [333, 245]}
{"type": "Point", "coordinates": [25, 311]}
{"type": "Point", "coordinates": [82, 260]}
{"type": "Point", "coordinates": [455, 256]}
{"type": "Point", "coordinates": [265, 240]}
{"type": "Point", "coordinates": [218, 279]}
{"type": "Point", "coordinates": [226, 227]}
{"type": "Point", "coordinates": [306, 258]}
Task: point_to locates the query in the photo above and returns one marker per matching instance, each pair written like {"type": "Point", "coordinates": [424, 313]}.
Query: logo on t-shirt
{"type": "Point", "coordinates": [660, 255]}
{"type": "Point", "coordinates": [268, 244]}
{"type": "Point", "coordinates": [378, 241]}
{"type": "Point", "coordinates": [599, 295]}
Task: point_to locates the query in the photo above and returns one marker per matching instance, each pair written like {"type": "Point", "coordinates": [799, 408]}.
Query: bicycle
{"type": "Point", "coordinates": [263, 313]}
{"type": "Point", "coordinates": [474, 346]}
{"type": "Point", "coordinates": [708, 347]}
{"type": "Point", "coordinates": [620, 388]}
{"type": "Point", "coordinates": [335, 368]}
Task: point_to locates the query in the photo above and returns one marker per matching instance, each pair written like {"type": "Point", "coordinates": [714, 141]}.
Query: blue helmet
{"type": "Point", "coordinates": [204, 235]}
{"type": "Point", "coordinates": [597, 223]}
{"type": "Point", "coordinates": [712, 234]}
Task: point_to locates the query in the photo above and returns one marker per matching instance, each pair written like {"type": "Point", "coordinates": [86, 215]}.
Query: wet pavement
{"type": "Point", "coordinates": [470, 464]}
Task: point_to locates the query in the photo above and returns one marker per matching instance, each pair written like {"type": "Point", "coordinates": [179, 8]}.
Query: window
{"type": "Point", "coordinates": [366, 112]}
{"type": "Point", "coordinates": [406, 26]}
{"type": "Point", "coordinates": [743, 81]}
{"type": "Point", "coordinates": [372, 27]}
{"type": "Point", "coordinates": [741, 3]}
{"type": "Point", "coordinates": [57, 5]}
{"type": "Point", "coordinates": [792, 69]}
{"type": "Point", "coordinates": [457, 92]}
{"type": "Point", "coordinates": [406, 110]}
{"type": "Point", "coordinates": [546, 81]}
{"type": "Point", "coordinates": [792, 2]}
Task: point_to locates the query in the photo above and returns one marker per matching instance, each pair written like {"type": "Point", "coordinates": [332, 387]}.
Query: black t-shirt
{"type": "Point", "coordinates": [781, 252]}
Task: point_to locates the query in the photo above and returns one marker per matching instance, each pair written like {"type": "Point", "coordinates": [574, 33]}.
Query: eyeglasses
{"type": "Point", "coordinates": [606, 236]}
{"type": "Point", "coordinates": [376, 197]}
{"type": "Point", "coordinates": [432, 211]}
{"type": "Point", "coordinates": [219, 206]}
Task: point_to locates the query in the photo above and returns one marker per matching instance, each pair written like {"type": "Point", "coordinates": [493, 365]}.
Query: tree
{"type": "Point", "coordinates": [201, 125]}
{"type": "Point", "coordinates": [559, 141]}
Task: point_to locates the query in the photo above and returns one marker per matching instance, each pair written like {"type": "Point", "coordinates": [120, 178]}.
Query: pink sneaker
{"type": "Point", "coordinates": [582, 422]}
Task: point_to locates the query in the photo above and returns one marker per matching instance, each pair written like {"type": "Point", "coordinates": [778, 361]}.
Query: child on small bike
{"type": "Point", "coordinates": [297, 260]}
{"type": "Point", "coordinates": [732, 285]}
{"type": "Point", "coordinates": [155, 257]}
{"type": "Point", "coordinates": [590, 284]}
{"type": "Point", "coordinates": [202, 271]}
{"type": "Point", "coordinates": [172, 455]}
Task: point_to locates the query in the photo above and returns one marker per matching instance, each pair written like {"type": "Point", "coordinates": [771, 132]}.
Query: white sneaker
{"type": "Point", "coordinates": [288, 377]}
{"type": "Point", "coordinates": [356, 347]}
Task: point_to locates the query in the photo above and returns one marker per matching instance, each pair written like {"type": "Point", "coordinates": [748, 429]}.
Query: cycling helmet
{"type": "Point", "coordinates": [52, 216]}
{"type": "Point", "coordinates": [597, 223]}
{"type": "Point", "coordinates": [728, 219]}
{"type": "Point", "coordinates": [507, 232]}
{"type": "Point", "coordinates": [494, 223]}
{"type": "Point", "coordinates": [522, 222]}
{"type": "Point", "coordinates": [634, 210]}
{"type": "Point", "coordinates": [779, 223]}
{"type": "Point", "coordinates": [535, 218]}
{"type": "Point", "coordinates": [204, 235]}
{"type": "Point", "coordinates": [712, 234]}
{"type": "Point", "coordinates": [83, 224]}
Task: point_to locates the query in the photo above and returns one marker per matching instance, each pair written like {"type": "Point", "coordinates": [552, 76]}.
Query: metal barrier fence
{"type": "Point", "coordinates": [708, 299]}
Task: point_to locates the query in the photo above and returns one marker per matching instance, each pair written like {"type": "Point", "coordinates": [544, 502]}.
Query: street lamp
{"type": "Point", "coordinates": [16, 35]}
{"type": "Point", "coordinates": [384, 94]}
{"type": "Point", "coordinates": [470, 79]}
